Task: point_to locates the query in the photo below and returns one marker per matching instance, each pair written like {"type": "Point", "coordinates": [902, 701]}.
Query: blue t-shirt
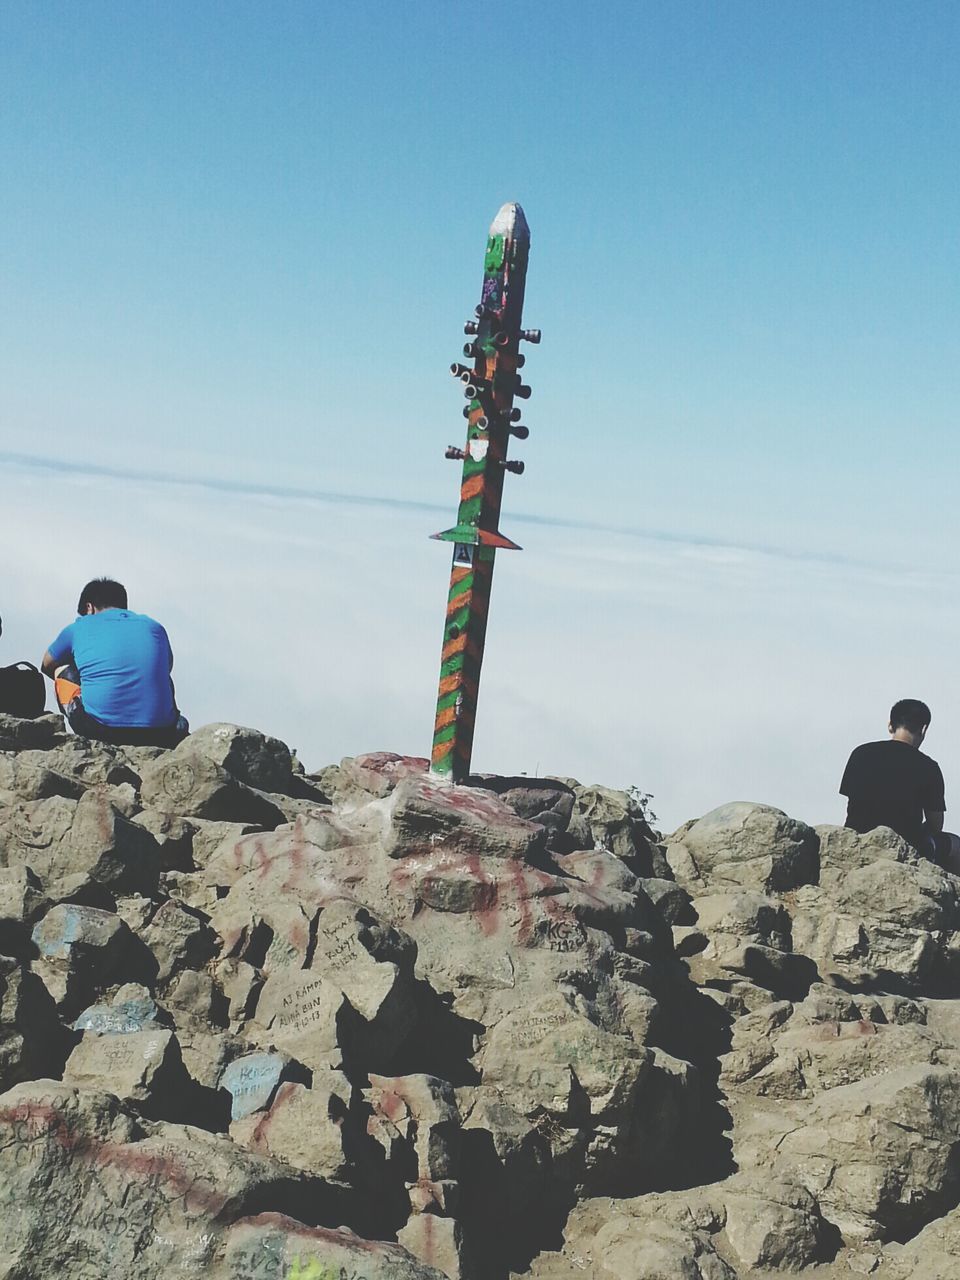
{"type": "Point", "coordinates": [124, 660]}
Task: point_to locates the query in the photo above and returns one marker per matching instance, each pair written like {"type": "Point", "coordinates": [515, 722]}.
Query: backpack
{"type": "Point", "coordinates": [22, 691]}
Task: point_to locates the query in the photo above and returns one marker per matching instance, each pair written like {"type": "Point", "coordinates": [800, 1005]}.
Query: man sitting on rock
{"type": "Point", "coordinates": [111, 671]}
{"type": "Point", "coordinates": [893, 784]}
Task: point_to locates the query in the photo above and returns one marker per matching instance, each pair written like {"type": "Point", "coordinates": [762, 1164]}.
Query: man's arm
{"type": "Point", "coordinates": [934, 804]}
{"type": "Point", "coordinates": [60, 651]}
{"type": "Point", "coordinates": [850, 783]}
{"type": "Point", "coordinates": [934, 820]}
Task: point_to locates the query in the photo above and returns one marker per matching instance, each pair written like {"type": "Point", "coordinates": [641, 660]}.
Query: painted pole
{"type": "Point", "coordinates": [490, 384]}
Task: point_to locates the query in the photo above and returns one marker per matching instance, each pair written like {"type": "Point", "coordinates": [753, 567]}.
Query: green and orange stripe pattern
{"type": "Point", "coordinates": [476, 534]}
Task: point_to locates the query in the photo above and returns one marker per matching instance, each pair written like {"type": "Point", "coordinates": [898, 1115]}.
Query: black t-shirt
{"type": "Point", "coordinates": [891, 784]}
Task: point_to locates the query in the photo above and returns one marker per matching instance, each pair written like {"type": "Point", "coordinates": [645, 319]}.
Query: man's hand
{"type": "Point", "coordinates": [49, 668]}
{"type": "Point", "coordinates": [935, 821]}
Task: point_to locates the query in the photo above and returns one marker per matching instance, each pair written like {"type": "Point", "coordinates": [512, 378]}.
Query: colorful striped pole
{"type": "Point", "coordinates": [490, 386]}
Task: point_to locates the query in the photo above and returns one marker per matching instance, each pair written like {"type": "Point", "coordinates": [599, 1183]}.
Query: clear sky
{"type": "Point", "coordinates": [238, 242]}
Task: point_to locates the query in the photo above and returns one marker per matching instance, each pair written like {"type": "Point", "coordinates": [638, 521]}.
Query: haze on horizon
{"type": "Point", "coordinates": [237, 244]}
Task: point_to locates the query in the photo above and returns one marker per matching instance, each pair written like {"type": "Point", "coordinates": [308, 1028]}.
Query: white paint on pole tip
{"type": "Point", "coordinates": [510, 222]}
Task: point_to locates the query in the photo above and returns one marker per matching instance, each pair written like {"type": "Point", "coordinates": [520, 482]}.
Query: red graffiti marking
{"type": "Point", "coordinates": [43, 1119]}
{"type": "Point", "coordinates": [259, 1138]}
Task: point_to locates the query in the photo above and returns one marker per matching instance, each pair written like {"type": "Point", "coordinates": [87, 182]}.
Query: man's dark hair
{"type": "Point", "coordinates": [102, 593]}
{"type": "Point", "coordinates": [909, 713]}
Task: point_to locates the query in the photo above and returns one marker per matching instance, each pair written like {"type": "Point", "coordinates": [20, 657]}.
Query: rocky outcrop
{"type": "Point", "coordinates": [255, 1022]}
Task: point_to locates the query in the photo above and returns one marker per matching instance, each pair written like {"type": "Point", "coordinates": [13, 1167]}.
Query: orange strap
{"type": "Point", "coordinates": [66, 691]}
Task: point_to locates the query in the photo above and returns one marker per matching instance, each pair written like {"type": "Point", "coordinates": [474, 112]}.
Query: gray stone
{"type": "Point", "coordinates": [308, 1128]}
{"type": "Point", "coordinates": [424, 815]}
{"type": "Point", "coordinates": [83, 950]}
{"type": "Point", "coordinates": [179, 939]}
{"type": "Point", "coordinates": [21, 901]}
{"type": "Point", "coordinates": [90, 842]}
{"type": "Point", "coordinates": [880, 1154]}
{"type": "Point", "coordinates": [253, 758]}
{"type": "Point", "coordinates": [173, 836]}
{"type": "Point", "coordinates": [842, 849]}
{"type": "Point", "coordinates": [195, 998]}
{"type": "Point", "coordinates": [252, 1081]}
{"type": "Point", "coordinates": [437, 1242]}
{"type": "Point", "coordinates": [752, 845]}
{"type": "Point", "coordinates": [671, 900]}
{"type": "Point", "coordinates": [420, 1112]}
{"type": "Point", "coordinates": [115, 1194]}
{"type": "Point", "coordinates": [130, 1010]}
{"type": "Point", "coordinates": [32, 832]}
{"type": "Point", "coordinates": [778, 1227]}
{"type": "Point", "coordinates": [297, 1012]}
{"type": "Point", "coordinates": [32, 1042]}
{"type": "Point", "coordinates": [187, 782]}
{"type": "Point", "coordinates": [140, 1067]}
{"type": "Point", "coordinates": [616, 822]}
{"type": "Point", "coordinates": [42, 734]}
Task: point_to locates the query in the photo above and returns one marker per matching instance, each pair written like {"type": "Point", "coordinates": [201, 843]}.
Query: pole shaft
{"type": "Point", "coordinates": [476, 534]}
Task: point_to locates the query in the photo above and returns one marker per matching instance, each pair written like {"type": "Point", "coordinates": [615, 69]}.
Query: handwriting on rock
{"type": "Point", "coordinates": [538, 1025]}
{"type": "Point", "coordinates": [251, 1081]}
{"type": "Point", "coordinates": [339, 944]}
{"type": "Point", "coordinates": [302, 1008]}
{"type": "Point", "coordinates": [122, 1054]}
{"type": "Point", "coordinates": [122, 1019]}
{"type": "Point", "coordinates": [561, 933]}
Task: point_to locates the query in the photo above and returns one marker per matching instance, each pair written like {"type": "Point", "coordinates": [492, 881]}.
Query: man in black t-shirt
{"type": "Point", "coordinates": [893, 784]}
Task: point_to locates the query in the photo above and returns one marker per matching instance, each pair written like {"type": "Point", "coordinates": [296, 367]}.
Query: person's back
{"type": "Point", "coordinates": [111, 669]}
{"type": "Point", "coordinates": [124, 661]}
{"type": "Point", "coordinates": [893, 784]}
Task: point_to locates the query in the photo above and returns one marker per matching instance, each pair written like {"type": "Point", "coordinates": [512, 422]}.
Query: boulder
{"type": "Point", "coordinates": [31, 776]}
{"type": "Point", "coordinates": [179, 939]}
{"type": "Point", "coordinates": [98, 1188]}
{"type": "Point", "coordinates": [437, 1242]}
{"type": "Point", "coordinates": [31, 832]}
{"type": "Point", "coordinates": [842, 849]}
{"type": "Point", "coordinates": [105, 847]}
{"type": "Point", "coordinates": [188, 783]}
{"type": "Point", "coordinates": [420, 1112]}
{"type": "Point", "coordinates": [32, 1040]}
{"type": "Point", "coordinates": [252, 1081]}
{"type": "Point", "coordinates": [143, 1068]}
{"type": "Point", "coordinates": [880, 1155]}
{"type": "Point", "coordinates": [424, 815]}
{"type": "Point", "coordinates": [82, 951]}
{"type": "Point", "coordinates": [22, 901]}
{"type": "Point", "coordinates": [616, 821]}
{"type": "Point", "coordinates": [253, 758]}
{"type": "Point", "coordinates": [375, 774]}
{"type": "Point", "coordinates": [309, 1128]}
{"type": "Point", "coordinates": [888, 923]}
{"type": "Point", "coordinates": [296, 1012]}
{"type": "Point", "coordinates": [271, 1244]}
{"type": "Point", "coordinates": [131, 1009]}
{"type": "Point", "coordinates": [41, 734]}
{"type": "Point", "coordinates": [173, 837]}
{"type": "Point", "coordinates": [752, 845]}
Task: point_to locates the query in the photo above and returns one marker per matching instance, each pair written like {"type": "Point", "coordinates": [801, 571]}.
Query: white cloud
{"type": "Point", "coordinates": [700, 673]}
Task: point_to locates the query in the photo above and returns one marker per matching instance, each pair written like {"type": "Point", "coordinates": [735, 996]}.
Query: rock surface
{"type": "Point", "coordinates": [257, 1023]}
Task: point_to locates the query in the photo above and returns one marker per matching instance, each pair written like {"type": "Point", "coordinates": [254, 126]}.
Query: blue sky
{"type": "Point", "coordinates": [238, 242]}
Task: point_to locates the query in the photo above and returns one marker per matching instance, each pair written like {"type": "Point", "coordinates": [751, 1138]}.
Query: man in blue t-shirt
{"type": "Point", "coordinates": [111, 669]}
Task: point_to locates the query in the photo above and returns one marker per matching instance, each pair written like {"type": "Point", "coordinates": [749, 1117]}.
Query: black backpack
{"type": "Point", "coordinates": [22, 691]}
